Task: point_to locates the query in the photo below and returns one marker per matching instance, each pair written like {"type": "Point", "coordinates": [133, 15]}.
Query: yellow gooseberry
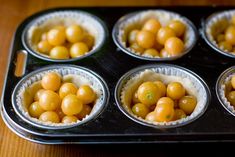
{"type": "Point", "coordinates": [78, 49]}
{"type": "Point", "coordinates": [178, 27]}
{"type": "Point", "coordinates": [164, 112]}
{"type": "Point", "coordinates": [59, 52]}
{"type": "Point", "coordinates": [135, 99]}
{"type": "Point", "coordinates": [49, 100]}
{"type": "Point", "coordinates": [151, 52]}
{"type": "Point", "coordinates": [179, 114]}
{"type": "Point", "coordinates": [162, 87]}
{"type": "Point", "coordinates": [86, 94]}
{"type": "Point", "coordinates": [56, 37]}
{"type": "Point", "coordinates": [51, 81]}
{"type": "Point", "coordinates": [74, 33]}
{"type": "Point", "coordinates": [174, 46]}
{"type": "Point", "coordinates": [231, 98]}
{"type": "Point", "coordinates": [228, 87]}
{"type": "Point", "coordinates": [226, 46]}
{"type": "Point", "coordinates": [71, 105]}
{"type": "Point", "coordinates": [165, 100]}
{"type": "Point", "coordinates": [86, 110]}
{"type": "Point", "coordinates": [145, 39]}
{"type": "Point", "coordinates": [132, 36]}
{"type": "Point", "coordinates": [175, 90]}
{"type": "Point", "coordinates": [163, 34]}
{"type": "Point", "coordinates": [148, 93]}
{"type": "Point", "coordinates": [38, 94]}
{"type": "Point", "coordinates": [35, 110]}
{"type": "Point", "coordinates": [230, 35]}
{"type": "Point", "coordinates": [44, 36]}
{"type": "Point", "coordinates": [140, 110]}
{"type": "Point", "coordinates": [233, 81]}
{"type": "Point", "coordinates": [164, 53]}
{"type": "Point", "coordinates": [44, 47]}
{"type": "Point", "coordinates": [151, 116]}
{"type": "Point", "coordinates": [137, 48]}
{"type": "Point", "coordinates": [69, 119]}
{"type": "Point", "coordinates": [88, 40]}
{"type": "Point", "coordinates": [152, 25]}
{"type": "Point", "coordinates": [67, 88]}
{"type": "Point", "coordinates": [187, 104]}
{"type": "Point", "coordinates": [60, 27]}
{"type": "Point", "coordinates": [49, 116]}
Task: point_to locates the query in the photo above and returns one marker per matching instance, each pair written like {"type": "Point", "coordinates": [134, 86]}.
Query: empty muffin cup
{"type": "Point", "coordinates": [92, 28]}
{"type": "Point", "coordinates": [136, 20]}
{"type": "Point", "coordinates": [224, 87]}
{"type": "Point", "coordinates": [131, 81]}
{"type": "Point", "coordinates": [25, 91]}
{"type": "Point", "coordinates": [214, 30]}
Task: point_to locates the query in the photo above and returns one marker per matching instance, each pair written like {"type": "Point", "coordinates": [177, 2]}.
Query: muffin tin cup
{"type": "Point", "coordinates": [97, 83]}
{"type": "Point", "coordinates": [202, 90]}
{"type": "Point", "coordinates": [220, 89]}
{"type": "Point", "coordinates": [118, 31]}
{"type": "Point", "coordinates": [82, 18]}
{"type": "Point", "coordinates": [205, 30]}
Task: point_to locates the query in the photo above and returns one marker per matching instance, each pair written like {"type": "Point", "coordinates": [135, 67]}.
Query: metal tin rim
{"type": "Point", "coordinates": [98, 112]}
{"type": "Point", "coordinates": [141, 68]}
{"type": "Point", "coordinates": [217, 86]}
{"type": "Point", "coordinates": [35, 54]}
{"type": "Point", "coordinates": [125, 50]}
{"type": "Point", "coordinates": [205, 37]}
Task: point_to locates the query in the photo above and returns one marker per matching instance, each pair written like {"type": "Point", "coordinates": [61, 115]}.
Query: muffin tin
{"type": "Point", "coordinates": [112, 126]}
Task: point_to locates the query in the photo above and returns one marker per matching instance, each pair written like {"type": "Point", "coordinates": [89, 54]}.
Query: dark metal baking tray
{"type": "Point", "coordinates": [112, 126]}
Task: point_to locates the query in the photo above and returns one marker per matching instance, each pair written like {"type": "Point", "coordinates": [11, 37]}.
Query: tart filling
{"type": "Point", "coordinates": [216, 28]}
{"type": "Point", "coordinates": [164, 17]}
{"type": "Point", "coordinates": [26, 93]}
{"type": "Point", "coordinates": [224, 90]}
{"type": "Point", "coordinates": [167, 76]}
{"type": "Point", "coordinates": [47, 22]}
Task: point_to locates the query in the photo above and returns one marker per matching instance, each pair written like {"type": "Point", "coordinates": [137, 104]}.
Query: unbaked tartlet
{"type": "Point", "coordinates": [225, 89]}
{"type": "Point", "coordinates": [130, 83]}
{"type": "Point", "coordinates": [64, 28]}
{"type": "Point", "coordinates": [153, 24]}
{"type": "Point", "coordinates": [29, 88]}
{"type": "Point", "coordinates": [219, 32]}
